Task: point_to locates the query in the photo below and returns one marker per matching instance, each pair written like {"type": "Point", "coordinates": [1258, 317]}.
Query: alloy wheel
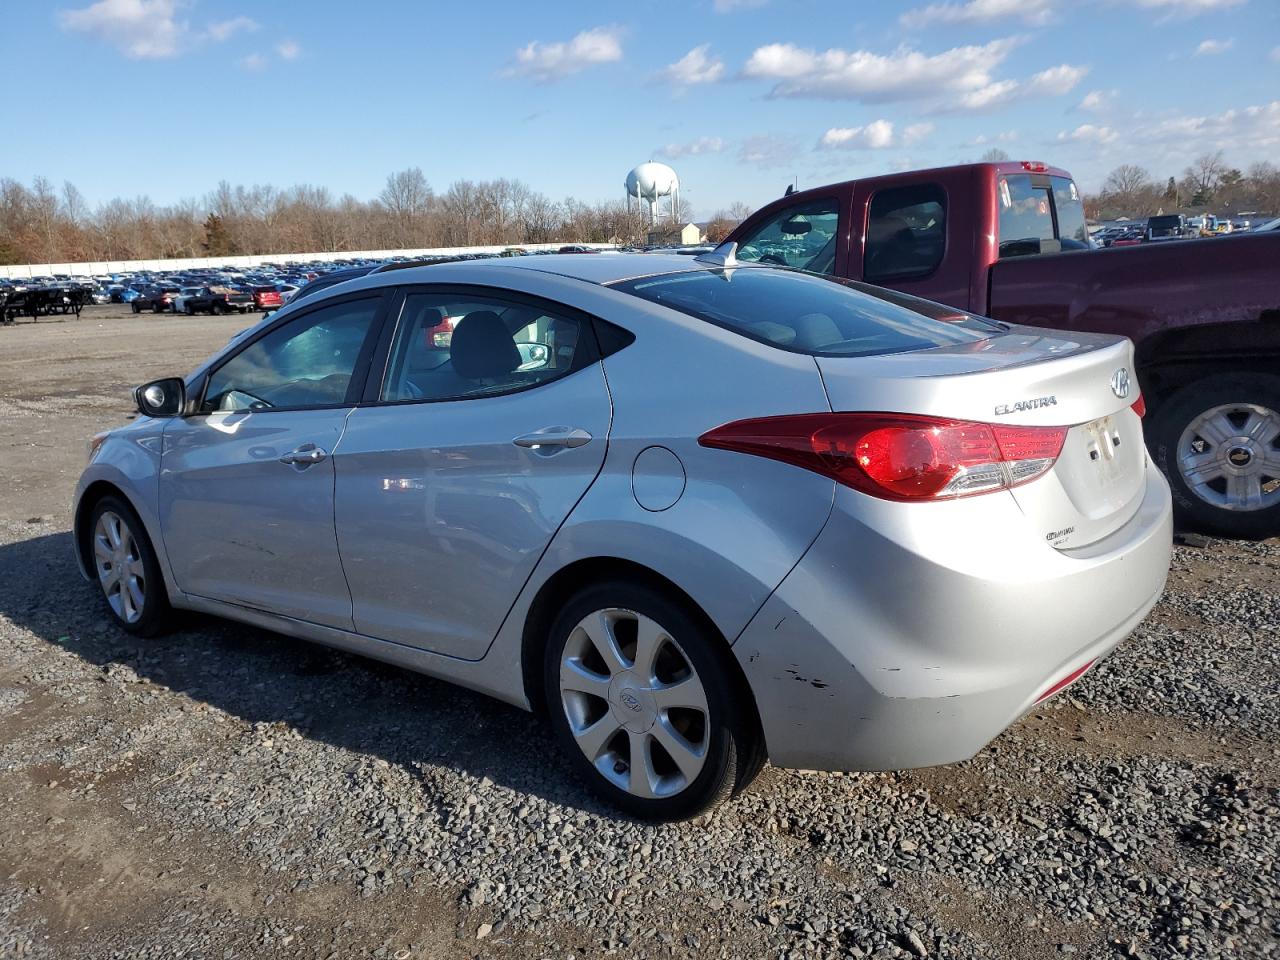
{"type": "Point", "coordinates": [635, 704]}
{"type": "Point", "coordinates": [1230, 456]}
{"type": "Point", "coordinates": [120, 568]}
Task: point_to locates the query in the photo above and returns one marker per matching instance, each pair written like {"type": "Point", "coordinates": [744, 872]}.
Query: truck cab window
{"type": "Point", "coordinates": [906, 233]}
{"type": "Point", "coordinates": [803, 235]}
{"type": "Point", "coordinates": [1040, 214]}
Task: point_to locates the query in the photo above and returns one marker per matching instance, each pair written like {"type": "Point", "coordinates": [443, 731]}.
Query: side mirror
{"type": "Point", "coordinates": [161, 398]}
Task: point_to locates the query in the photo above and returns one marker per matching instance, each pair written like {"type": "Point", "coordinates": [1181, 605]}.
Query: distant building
{"type": "Point", "coordinates": [691, 234]}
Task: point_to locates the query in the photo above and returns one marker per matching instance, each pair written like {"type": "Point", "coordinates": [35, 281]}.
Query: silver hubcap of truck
{"type": "Point", "coordinates": [634, 703]}
{"type": "Point", "coordinates": [120, 569]}
{"type": "Point", "coordinates": [1230, 456]}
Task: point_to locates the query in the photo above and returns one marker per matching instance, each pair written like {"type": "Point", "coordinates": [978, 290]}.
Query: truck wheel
{"type": "Point", "coordinates": [1218, 442]}
{"type": "Point", "coordinates": [190, 310]}
{"type": "Point", "coordinates": [136, 308]}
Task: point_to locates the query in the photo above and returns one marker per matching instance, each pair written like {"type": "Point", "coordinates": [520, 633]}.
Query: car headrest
{"type": "Point", "coordinates": [482, 347]}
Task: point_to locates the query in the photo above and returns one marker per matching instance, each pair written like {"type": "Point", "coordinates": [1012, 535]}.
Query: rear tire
{"type": "Point", "coordinates": [127, 569]}
{"type": "Point", "coordinates": [189, 310]}
{"type": "Point", "coordinates": [1218, 442]}
{"type": "Point", "coordinates": [646, 703]}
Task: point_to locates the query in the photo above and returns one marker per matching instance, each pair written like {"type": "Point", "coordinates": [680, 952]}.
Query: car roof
{"type": "Point", "coordinates": [603, 268]}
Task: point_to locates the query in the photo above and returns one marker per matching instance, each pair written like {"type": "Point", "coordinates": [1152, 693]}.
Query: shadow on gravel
{"type": "Point", "coordinates": [262, 677]}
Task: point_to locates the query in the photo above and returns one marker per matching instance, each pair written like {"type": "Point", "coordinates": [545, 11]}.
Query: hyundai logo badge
{"type": "Point", "coordinates": [1120, 382]}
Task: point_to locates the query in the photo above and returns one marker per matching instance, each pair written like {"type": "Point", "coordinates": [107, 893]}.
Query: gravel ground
{"type": "Point", "coordinates": [228, 792]}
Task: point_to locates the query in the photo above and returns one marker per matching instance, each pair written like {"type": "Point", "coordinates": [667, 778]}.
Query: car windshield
{"type": "Point", "coordinates": [804, 313]}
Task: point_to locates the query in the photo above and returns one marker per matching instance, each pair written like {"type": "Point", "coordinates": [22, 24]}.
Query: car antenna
{"type": "Point", "coordinates": [724, 255]}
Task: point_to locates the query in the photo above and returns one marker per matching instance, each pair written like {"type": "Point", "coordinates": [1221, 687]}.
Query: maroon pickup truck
{"type": "Point", "coordinates": [1008, 240]}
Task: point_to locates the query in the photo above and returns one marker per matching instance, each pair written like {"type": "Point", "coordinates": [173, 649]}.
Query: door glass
{"type": "Point", "coordinates": [802, 236]}
{"type": "Point", "coordinates": [447, 348]}
{"type": "Point", "coordinates": [906, 233]}
{"type": "Point", "coordinates": [308, 362]}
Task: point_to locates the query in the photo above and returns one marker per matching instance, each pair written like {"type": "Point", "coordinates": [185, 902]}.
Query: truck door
{"type": "Point", "coordinates": [901, 241]}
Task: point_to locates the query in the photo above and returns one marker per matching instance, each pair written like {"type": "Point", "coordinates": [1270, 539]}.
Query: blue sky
{"type": "Point", "coordinates": [166, 97]}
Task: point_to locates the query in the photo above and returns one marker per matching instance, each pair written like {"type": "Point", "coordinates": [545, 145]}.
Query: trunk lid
{"type": "Point", "coordinates": [1025, 377]}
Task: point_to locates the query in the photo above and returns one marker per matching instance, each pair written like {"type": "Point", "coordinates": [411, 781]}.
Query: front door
{"type": "Point", "coordinates": [246, 484]}
{"type": "Point", "coordinates": [490, 425]}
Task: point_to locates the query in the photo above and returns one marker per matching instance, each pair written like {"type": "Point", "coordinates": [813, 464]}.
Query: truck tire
{"type": "Point", "coordinates": [1218, 441]}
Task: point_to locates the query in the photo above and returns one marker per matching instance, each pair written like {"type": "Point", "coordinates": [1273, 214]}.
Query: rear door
{"type": "Point", "coordinates": [246, 484]}
{"type": "Point", "coordinates": [902, 240]}
{"type": "Point", "coordinates": [489, 425]}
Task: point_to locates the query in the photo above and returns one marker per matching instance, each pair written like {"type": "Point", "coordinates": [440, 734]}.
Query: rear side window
{"type": "Point", "coordinates": [803, 236]}
{"type": "Point", "coordinates": [803, 313]}
{"type": "Point", "coordinates": [906, 233]}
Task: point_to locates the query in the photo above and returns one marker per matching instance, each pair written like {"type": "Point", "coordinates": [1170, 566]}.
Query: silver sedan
{"type": "Point", "coordinates": [704, 514]}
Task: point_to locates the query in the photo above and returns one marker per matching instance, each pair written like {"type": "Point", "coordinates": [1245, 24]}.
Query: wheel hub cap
{"type": "Point", "coordinates": [1229, 456]}
{"type": "Point", "coordinates": [631, 703]}
{"type": "Point", "coordinates": [635, 704]}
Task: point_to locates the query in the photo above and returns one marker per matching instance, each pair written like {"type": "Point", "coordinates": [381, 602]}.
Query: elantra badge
{"type": "Point", "coordinates": [1018, 406]}
{"type": "Point", "coordinates": [1120, 382]}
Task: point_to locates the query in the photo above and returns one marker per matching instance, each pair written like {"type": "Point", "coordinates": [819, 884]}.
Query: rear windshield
{"type": "Point", "coordinates": [807, 314]}
{"type": "Point", "coordinates": [1040, 215]}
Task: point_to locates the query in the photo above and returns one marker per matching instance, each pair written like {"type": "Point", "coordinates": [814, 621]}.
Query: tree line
{"type": "Point", "coordinates": [41, 224]}
{"type": "Point", "coordinates": [1209, 183]}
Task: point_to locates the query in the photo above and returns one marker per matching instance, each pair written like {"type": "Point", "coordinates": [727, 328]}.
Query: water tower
{"type": "Point", "coordinates": [650, 182]}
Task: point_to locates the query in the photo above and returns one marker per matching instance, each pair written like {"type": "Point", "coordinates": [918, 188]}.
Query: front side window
{"type": "Point", "coordinates": [906, 233]}
{"type": "Point", "coordinates": [803, 236]}
{"type": "Point", "coordinates": [307, 362]}
{"type": "Point", "coordinates": [807, 314]}
{"type": "Point", "coordinates": [451, 348]}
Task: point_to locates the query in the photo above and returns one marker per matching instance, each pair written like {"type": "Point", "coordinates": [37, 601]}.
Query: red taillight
{"type": "Point", "coordinates": [896, 456]}
{"type": "Point", "coordinates": [1140, 406]}
{"type": "Point", "coordinates": [1066, 681]}
{"type": "Point", "coordinates": [1035, 166]}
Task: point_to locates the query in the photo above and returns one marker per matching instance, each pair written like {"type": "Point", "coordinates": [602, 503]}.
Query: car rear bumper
{"type": "Point", "coordinates": [927, 630]}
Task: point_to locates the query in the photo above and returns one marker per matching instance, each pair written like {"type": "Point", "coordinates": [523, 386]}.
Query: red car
{"type": "Point", "coordinates": [267, 298]}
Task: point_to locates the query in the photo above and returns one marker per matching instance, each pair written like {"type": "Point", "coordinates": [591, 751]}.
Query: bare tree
{"type": "Point", "coordinates": [995, 155]}
{"type": "Point", "coordinates": [1205, 175]}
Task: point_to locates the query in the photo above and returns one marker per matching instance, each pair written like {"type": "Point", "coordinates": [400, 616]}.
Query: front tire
{"type": "Point", "coordinates": [646, 704]}
{"type": "Point", "coordinates": [127, 569]}
{"type": "Point", "coordinates": [1218, 442]}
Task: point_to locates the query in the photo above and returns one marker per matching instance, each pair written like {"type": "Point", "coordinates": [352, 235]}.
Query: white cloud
{"type": "Point", "coordinates": [767, 150]}
{"type": "Point", "coordinates": [729, 6]}
{"type": "Point", "coordinates": [547, 62]}
{"type": "Point", "coordinates": [694, 67]}
{"type": "Point", "coordinates": [288, 50]}
{"type": "Point", "coordinates": [1209, 48]}
{"type": "Point", "coordinates": [874, 78]}
{"type": "Point", "coordinates": [981, 140]}
{"type": "Point", "coordinates": [142, 29]}
{"type": "Point", "coordinates": [916, 132]}
{"type": "Point", "coordinates": [1034, 12]}
{"type": "Point", "coordinates": [1089, 133]}
{"type": "Point", "coordinates": [1173, 9]}
{"type": "Point", "coordinates": [254, 62]}
{"type": "Point", "coordinates": [1097, 101]}
{"type": "Point", "coordinates": [696, 148]}
{"type": "Point", "coordinates": [225, 29]}
{"type": "Point", "coordinates": [1275, 54]}
{"type": "Point", "coordinates": [1248, 128]}
{"type": "Point", "coordinates": [1052, 82]}
{"type": "Point", "coordinates": [876, 135]}
{"type": "Point", "coordinates": [148, 29]}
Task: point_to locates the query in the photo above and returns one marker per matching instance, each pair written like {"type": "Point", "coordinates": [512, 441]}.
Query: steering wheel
{"type": "Point", "coordinates": [774, 259]}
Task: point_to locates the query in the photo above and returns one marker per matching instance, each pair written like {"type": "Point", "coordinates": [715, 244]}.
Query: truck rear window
{"type": "Point", "coordinates": [804, 313]}
{"type": "Point", "coordinates": [1040, 214]}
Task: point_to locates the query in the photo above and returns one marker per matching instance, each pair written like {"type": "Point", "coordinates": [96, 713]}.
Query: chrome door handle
{"type": "Point", "coordinates": [553, 437]}
{"type": "Point", "coordinates": [304, 456]}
